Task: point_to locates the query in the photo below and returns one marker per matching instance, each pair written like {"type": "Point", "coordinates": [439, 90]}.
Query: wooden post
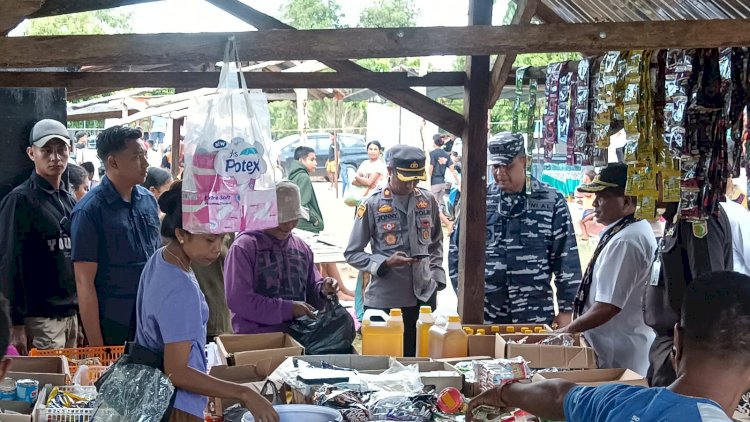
{"type": "Point", "coordinates": [176, 145]}
{"type": "Point", "coordinates": [474, 180]}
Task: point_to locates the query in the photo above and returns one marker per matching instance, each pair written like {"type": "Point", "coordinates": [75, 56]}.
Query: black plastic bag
{"type": "Point", "coordinates": [332, 332]}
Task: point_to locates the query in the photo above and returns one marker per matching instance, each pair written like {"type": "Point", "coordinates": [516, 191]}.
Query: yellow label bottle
{"type": "Point", "coordinates": [424, 323]}
{"type": "Point", "coordinates": [480, 332]}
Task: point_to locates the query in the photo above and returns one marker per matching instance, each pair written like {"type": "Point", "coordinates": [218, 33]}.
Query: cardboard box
{"type": "Point", "coordinates": [593, 377]}
{"type": "Point", "coordinates": [250, 349]}
{"type": "Point", "coordinates": [578, 356]}
{"type": "Point", "coordinates": [27, 412]}
{"type": "Point", "coordinates": [52, 370]}
{"type": "Point", "coordinates": [253, 376]}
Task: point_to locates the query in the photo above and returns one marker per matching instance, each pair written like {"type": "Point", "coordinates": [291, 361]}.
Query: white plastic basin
{"type": "Point", "coordinates": [302, 412]}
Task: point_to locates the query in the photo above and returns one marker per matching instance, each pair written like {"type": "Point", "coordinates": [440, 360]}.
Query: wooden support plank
{"type": "Point", "coordinates": [269, 80]}
{"type": "Point", "coordinates": [504, 62]}
{"type": "Point", "coordinates": [176, 144]}
{"type": "Point", "coordinates": [547, 15]}
{"type": "Point", "coordinates": [331, 45]}
{"type": "Point", "coordinates": [13, 12]}
{"type": "Point", "coordinates": [63, 7]}
{"type": "Point", "coordinates": [474, 179]}
{"type": "Point", "coordinates": [409, 99]}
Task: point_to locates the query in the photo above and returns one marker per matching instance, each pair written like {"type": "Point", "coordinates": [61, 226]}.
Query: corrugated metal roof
{"type": "Point", "coordinates": [583, 11]}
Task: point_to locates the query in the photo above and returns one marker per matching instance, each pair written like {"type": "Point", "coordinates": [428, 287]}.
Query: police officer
{"type": "Point", "coordinates": [530, 236]}
{"type": "Point", "coordinates": [401, 222]}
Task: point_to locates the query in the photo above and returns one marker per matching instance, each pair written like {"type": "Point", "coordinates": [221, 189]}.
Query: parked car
{"type": "Point", "coordinates": [352, 147]}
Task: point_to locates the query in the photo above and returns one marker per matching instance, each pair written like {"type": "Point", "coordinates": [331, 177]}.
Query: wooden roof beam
{"type": "Point", "coordinates": [63, 7]}
{"type": "Point", "coordinates": [524, 13]}
{"type": "Point", "coordinates": [409, 99]}
{"type": "Point", "coordinates": [13, 12]}
{"type": "Point", "coordinates": [334, 46]}
{"type": "Point", "coordinates": [268, 80]}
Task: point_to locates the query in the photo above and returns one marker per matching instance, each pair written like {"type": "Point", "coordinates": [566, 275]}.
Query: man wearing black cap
{"type": "Point", "coordinates": [402, 225]}
{"type": "Point", "coordinates": [36, 270]}
{"type": "Point", "coordinates": [607, 307]}
{"type": "Point", "coordinates": [530, 236]}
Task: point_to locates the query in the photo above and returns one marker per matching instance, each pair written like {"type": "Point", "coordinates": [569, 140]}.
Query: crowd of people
{"type": "Point", "coordinates": [109, 263]}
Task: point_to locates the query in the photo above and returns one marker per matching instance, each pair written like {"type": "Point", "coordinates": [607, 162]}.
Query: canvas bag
{"type": "Point", "coordinates": [228, 182]}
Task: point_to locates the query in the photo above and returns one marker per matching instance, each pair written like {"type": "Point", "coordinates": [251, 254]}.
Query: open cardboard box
{"type": "Point", "coordinates": [27, 412]}
{"type": "Point", "coordinates": [593, 377]}
{"type": "Point", "coordinates": [578, 356]}
{"type": "Point", "coordinates": [250, 349]}
{"type": "Point", "coordinates": [52, 370]}
{"type": "Point", "coordinates": [253, 376]}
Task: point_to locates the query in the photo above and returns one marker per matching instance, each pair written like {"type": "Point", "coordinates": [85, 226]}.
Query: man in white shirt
{"type": "Point", "coordinates": [608, 305]}
{"type": "Point", "coordinates": [739, 221]}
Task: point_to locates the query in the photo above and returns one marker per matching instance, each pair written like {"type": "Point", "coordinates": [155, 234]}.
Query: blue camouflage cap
{"type": "Point", "coordinates": [503, 148]}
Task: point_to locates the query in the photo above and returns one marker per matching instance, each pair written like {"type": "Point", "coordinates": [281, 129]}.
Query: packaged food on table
{"type": "Point", "coordinates": [58, 399]}
{"type": "Point", "coordinates": [8, 389]}
{"type": "Point", "coordinates": [27, 390]}
{"type": "Point", "coordinates": [491, 373]}
{"type": "Point", "coordinates": [401, 407]}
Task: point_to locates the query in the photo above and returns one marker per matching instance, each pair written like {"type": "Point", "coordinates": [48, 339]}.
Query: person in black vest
{"type": "Point", "coordinates": [36, 270]}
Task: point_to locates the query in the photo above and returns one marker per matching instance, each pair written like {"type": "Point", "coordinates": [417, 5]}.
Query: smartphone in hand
{"type": "Point", "coordinates": [420, 256]}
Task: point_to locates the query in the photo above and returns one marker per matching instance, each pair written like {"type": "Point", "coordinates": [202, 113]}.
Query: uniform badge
{"type": "Point", "coordinates": [390, 239]}
{"type": "Point", "coordinates": [700, 229]}
{"type": "Point", "coordinates": [426, 234]}
{"type": "Point", "coordinates": [361, 209]}
{"type": "Point", "coordinates": [385, 208]}
{"type": "Point", "coordinates": [389, 227]}
{"type": "Point", "coordinates": [386, 193]}
{"type": "Point", "coordinates": [422, 204]}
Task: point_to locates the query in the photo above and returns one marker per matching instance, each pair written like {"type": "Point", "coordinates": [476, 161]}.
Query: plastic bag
{"type": "Point", "coordinates": [354, 194]}
{"type": "Point", "coordinates": [228, 183]}
{"type": "Point", "coordinates": [133, 392]}
{"type": "Point", "coordinates": [332, 332]}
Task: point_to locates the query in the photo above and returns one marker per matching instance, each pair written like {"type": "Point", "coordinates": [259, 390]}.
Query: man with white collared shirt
{"type": "Point", "coordinates": [739, 221]}
{"type": "Point", "coordinates": [608, 307]}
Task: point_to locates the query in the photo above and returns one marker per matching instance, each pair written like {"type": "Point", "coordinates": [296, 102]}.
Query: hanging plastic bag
{"type": "Point", "coordinates": [228, 183]}
{"type": "Point", "coordinates": [354, 194]}
{"type": "Point", "coordinates": [332, 332]}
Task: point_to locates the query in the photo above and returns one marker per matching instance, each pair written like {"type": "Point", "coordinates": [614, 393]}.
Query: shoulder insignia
{"type": "Point", "coordinates": [385, 208]}
{"type": "Point", "coordinates": [386, 193]}
{"type": "Point", "coordinates": [700, 229]}
{"type": "Point", "coordinates": [361, 210]}
{"type": "Point", "coordinates": [422, 204]}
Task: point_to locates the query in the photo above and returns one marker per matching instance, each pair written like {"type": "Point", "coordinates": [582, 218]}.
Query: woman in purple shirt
{"type": "Point", "coordinates": [172, 315]}
{"type": "Point", "coordinates": [270, 276]}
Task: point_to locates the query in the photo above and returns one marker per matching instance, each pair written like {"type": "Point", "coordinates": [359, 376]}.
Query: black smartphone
{"type": "Point", "coordinates": [420, 256]}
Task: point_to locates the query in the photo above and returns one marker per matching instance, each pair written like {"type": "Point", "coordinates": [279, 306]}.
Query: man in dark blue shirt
{"type": "Point", "coordinates": [115, 229]}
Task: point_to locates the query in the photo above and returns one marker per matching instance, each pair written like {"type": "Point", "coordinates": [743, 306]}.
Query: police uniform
{"type": "Point", "coordinates": [392, 223]}
{"type": "Point", "coordinates": [530, 236]}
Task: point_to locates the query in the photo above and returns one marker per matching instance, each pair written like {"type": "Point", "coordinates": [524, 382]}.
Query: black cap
{"type": "Point", "coordinates": [408, 162]}
{"type": "Point", "coordinates": [615, 175]}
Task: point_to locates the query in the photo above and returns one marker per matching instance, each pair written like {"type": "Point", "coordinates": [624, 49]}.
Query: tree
{"type": "Point", "coordinates": [86, 23]}
{"type": "Point", "coordinates": [312, 14]}
{"type": "Point", "coordinates": [330, 114]}
{"type": "Point", "coordinates": [283, 118]}
{"type": "Point", "coordinates": [389, 14]}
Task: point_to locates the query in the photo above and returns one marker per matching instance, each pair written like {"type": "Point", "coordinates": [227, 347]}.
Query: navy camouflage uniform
{"type": "Point", "coordinates": [530, 236]}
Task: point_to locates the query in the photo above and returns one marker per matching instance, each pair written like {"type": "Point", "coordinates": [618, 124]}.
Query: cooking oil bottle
{"type": "Point", "coordinates": [424, 323]}
{"type": "Point", "coordinates": [450, 341]}
{"type": "Point", "coordinates": [384, 337]}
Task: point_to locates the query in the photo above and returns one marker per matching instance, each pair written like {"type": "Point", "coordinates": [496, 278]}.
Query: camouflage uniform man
{"type": "Point", "coordinates": [401, 222]}
{"type": "Point", "coordinates": [530, 236]}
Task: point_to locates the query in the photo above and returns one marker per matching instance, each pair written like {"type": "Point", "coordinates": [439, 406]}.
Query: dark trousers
{"type": "Point", "coordinates": [661, 373]}
{"type": "Point", "coordinates": [116, 334]}
{"type": "Point", "coordinates": [410, 315]}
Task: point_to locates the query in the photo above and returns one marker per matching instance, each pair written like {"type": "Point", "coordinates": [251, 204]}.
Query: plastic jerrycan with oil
{"type": "Point", "coordinates": [424, 323]}
{"type": "Point", "coordinates": [383, 334]}
{"type": "Point", "coordinates": [450, 341]}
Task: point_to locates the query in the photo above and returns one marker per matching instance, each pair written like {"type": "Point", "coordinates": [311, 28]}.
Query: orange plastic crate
{"type": "Point", "coordinates": [107, 355]}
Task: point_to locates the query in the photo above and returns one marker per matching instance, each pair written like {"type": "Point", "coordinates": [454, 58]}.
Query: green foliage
{"type": "Point", "coordinates": [283, 118]}
{"type": "Point", "coordinates": [329, 114]}
{"type": "Point", "coordinates": [93, 23]}
{"type": "Point", "coordinates": [312, 14]}
{"type": "Point", "coordinates": [389, 14]}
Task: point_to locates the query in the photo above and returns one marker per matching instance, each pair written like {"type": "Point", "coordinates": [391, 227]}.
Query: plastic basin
{"type": "Point", "coordinates": [302, 412]}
